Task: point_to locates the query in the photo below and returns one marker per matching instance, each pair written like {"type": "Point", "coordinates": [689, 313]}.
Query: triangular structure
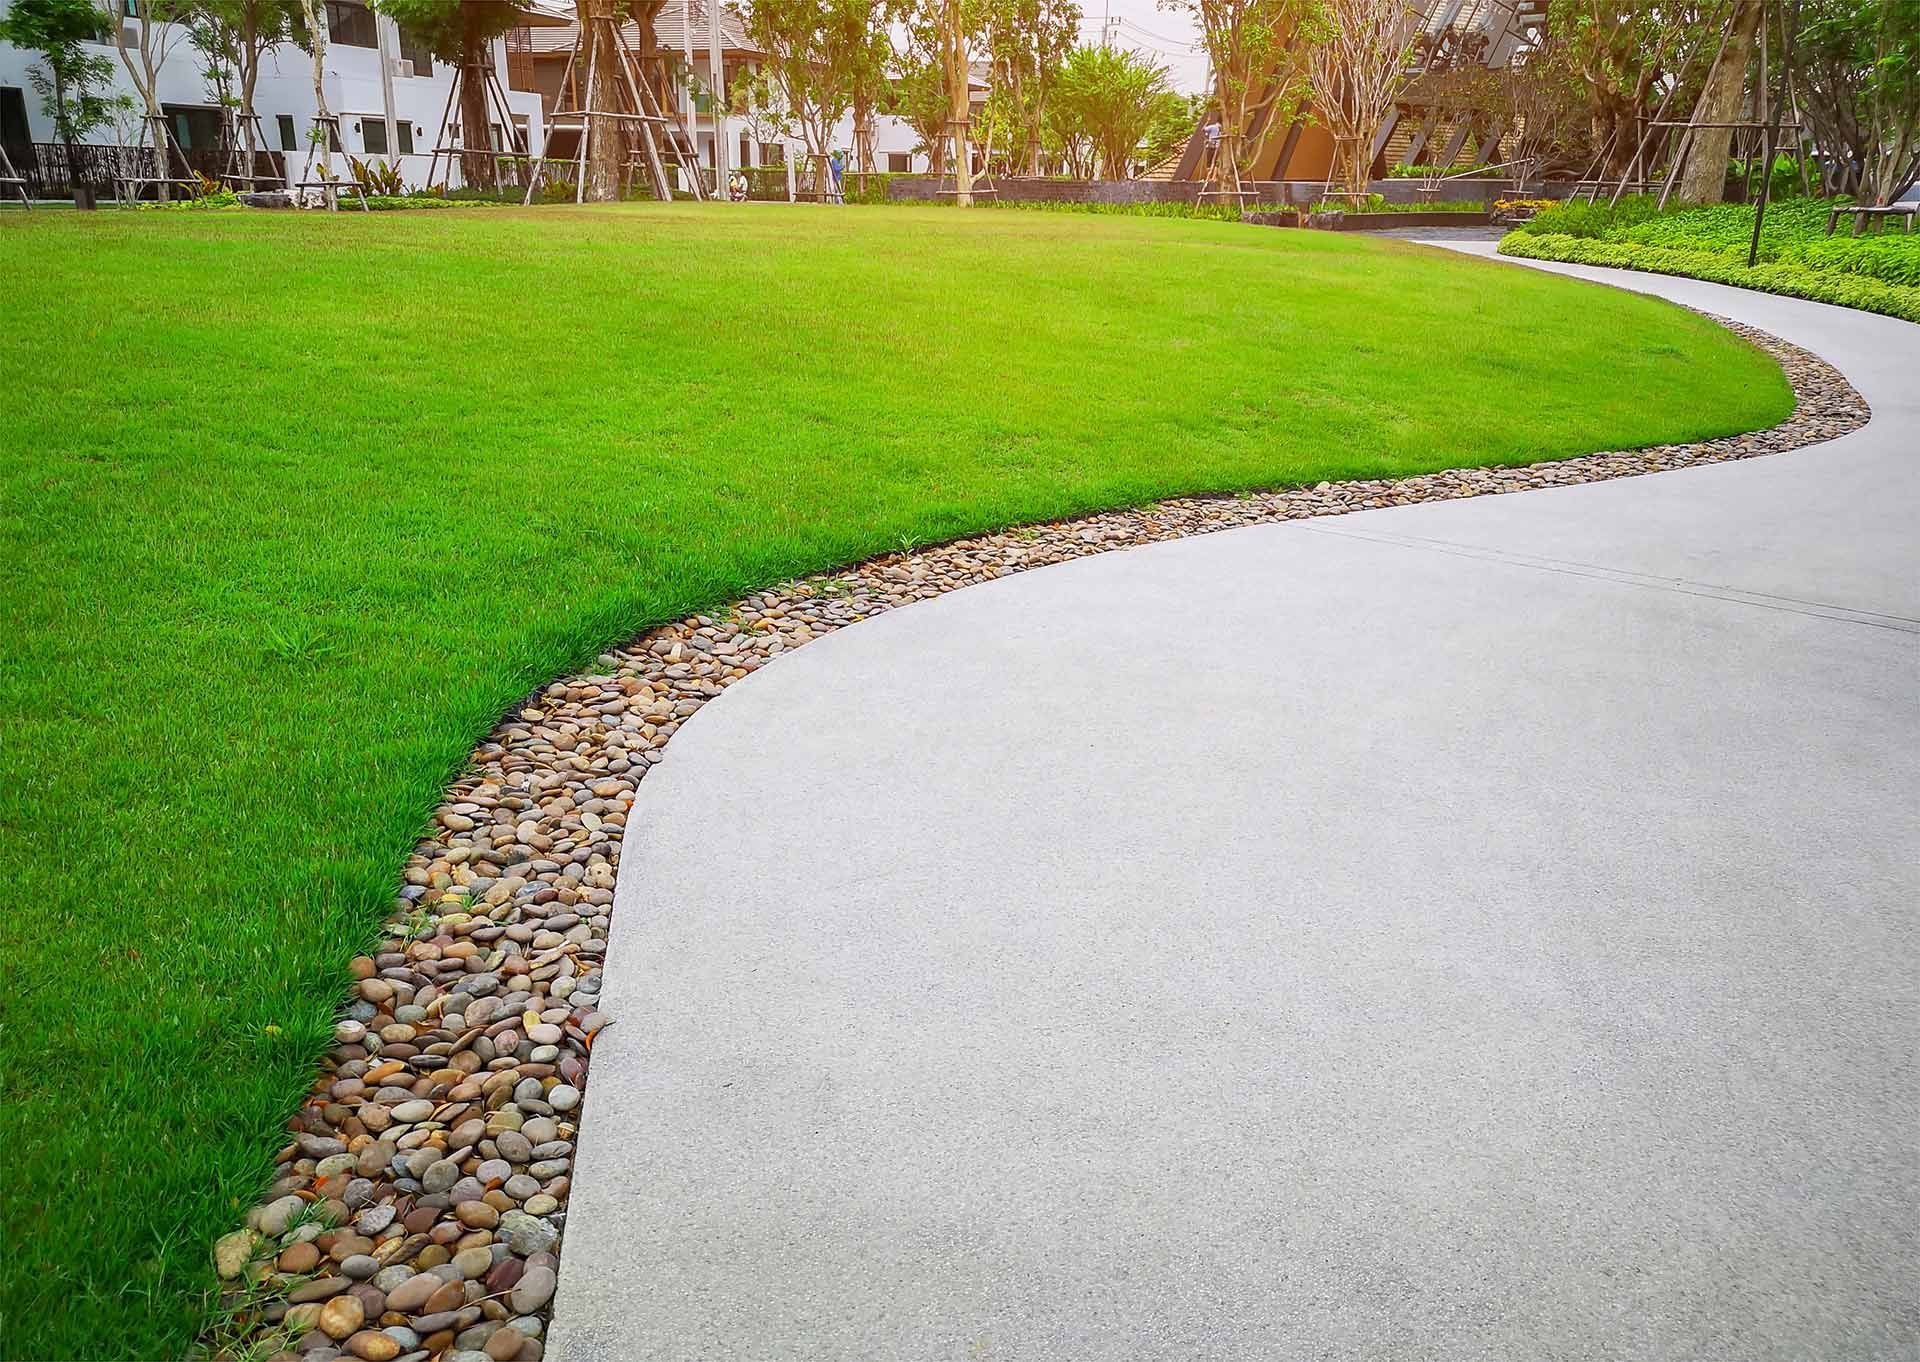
{"type": "Point", "coordinates": [627, 111]}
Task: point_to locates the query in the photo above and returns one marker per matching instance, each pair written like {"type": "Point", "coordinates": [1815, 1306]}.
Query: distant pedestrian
{"type": "Point", "coordinates": [836, 178]}
{"type": "Point", "coordinates": [1212, 131]}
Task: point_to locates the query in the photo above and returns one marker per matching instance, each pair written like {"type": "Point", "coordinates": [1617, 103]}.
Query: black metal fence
{"type": "Point", "coordinates": [52, 169]}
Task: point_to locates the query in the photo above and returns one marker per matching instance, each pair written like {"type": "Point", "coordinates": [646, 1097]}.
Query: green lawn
{"type": "Point", "coordinates": [294, 506]}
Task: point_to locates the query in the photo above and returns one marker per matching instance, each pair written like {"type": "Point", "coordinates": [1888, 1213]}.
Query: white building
{"type": "Point", "coordinates": [392, 97]}
{"type": "Point", "coordinates": [388, 91]}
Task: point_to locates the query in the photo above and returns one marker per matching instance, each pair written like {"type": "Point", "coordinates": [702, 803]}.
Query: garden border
{"type": "Point", "coordinates": [421, 1196]}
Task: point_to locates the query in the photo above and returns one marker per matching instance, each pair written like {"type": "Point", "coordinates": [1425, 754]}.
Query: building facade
{"type": "Point", "coordinates": [390, 94]}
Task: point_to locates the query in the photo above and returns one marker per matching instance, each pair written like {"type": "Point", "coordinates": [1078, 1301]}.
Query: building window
{"type": "Point", "coordinates": [772, 154]}
{"type": "Point", "coordinates": [373, 136]}
{"type": "Point", "coordinates": [899, 162]}
{"type": "Point", "coordinates": [350, 24]}
{"type": "Point", "coordinates": [414, 48]}
{"type": "Point", "coordinates": [403, 130]}
{"type": "Point", "coordinates": [14, 128]}
{"type": "Point", "coordinates": [288, 140]}
{"type": "Point", "coordinates": [195, 129]}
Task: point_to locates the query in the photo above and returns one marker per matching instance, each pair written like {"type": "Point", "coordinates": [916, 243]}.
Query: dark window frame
{"type": "Point", "coordinates": [414, 49]}
{"type": "Point", "coordinates": [351, 24]}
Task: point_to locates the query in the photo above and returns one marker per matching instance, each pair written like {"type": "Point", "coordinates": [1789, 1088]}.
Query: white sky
{"type": "Point", "coordinates": [1165, 36]}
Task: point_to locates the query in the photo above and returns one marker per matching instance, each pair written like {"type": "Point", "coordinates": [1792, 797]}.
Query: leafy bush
{"type": "Point", "coordinates": [869, 188]}
{"type": "Point", "coordinates": [1794, 248]}
{"type": "Point", "coordinates": [1576, 217]}
{"type": "Point", "coordinates": [1794, 278]}
{"type": "Point", "coordinates": [1377, 203]}
{"type": "Point", "coordinates": [1222, 211]}
{"type": "Point", "coordinates": [377, 177]}
{"type": "Point", "coordinates": [388, 203]}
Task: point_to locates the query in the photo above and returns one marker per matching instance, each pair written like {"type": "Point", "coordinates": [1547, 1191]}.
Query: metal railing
{"type": "Point", "coordinates": [51, 169]}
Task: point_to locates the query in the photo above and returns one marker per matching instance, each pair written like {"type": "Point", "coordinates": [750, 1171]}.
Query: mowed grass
{"type": "Point", "coordinates": [293, 507]}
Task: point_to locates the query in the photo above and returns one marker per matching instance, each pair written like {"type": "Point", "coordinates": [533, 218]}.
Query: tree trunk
{"type": "Point", "coordinates": [317, 143]}
{"type": "Point", "coordinates": [477, 165]}
{"type": "Point", "coordinates": [960, 106]}
{"type": "Point", "coordinates": [606, 148]}
{"type": "Point", "coordinates": [1705, 178]}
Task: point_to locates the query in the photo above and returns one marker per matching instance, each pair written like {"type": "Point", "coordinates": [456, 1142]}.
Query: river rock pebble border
{"type": "Point", "coordinates": [421, 1196]}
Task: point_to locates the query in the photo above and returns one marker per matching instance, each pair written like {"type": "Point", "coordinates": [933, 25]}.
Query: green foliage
{"type": "Point", "coordinates": [1379, 203]}
{"type": "Point", "coordinates": [393, 203]}
{"type": "Point", "coordinates": [1880, 273]}
{"type": "Point", "coordinates": [820, 54]}
{"type": "Point", "coordinates": [1577, 217]}
{"type": "Point", "coordinates": [377, 177]}
{"type": "Point", "coordinates": [449, 28]}
{"type": "Point", "coordinates": [1104, 102]}
{"type": "Point", "coordinates": [1857, 66]}
{"type": "Point", "coordinates": [868, 189]}
{"type": "Point", "coordinates": [1207, 212]}
{"type": "Point", "coordinates": [1173, 123]}
{"type": "Point", "coordinates": [71, 81]}
{"type": "Point", "coordinates": [1026, 43]}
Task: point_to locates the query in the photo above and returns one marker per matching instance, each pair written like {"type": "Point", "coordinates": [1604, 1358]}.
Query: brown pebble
{"type": "Point", "coordinates": [341, 1316]}
{"type": "Point", "coordinates": [505, 1275]}
{"type": "Point", "coordinates": [302, 1257]}
{"type": "Point", "coordinates": [375, 1347]}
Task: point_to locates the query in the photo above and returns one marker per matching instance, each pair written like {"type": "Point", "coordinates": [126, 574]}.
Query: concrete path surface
{"type": "Point", "coordinates": [1469, 930]}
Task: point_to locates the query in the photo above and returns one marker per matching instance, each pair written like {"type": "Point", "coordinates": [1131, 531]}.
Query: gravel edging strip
{"type": "Point", "coordinates": [421, 1198]}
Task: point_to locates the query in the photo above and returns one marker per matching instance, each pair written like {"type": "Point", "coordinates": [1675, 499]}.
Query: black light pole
{"type": "Point", "coordinates": [1766, 148]}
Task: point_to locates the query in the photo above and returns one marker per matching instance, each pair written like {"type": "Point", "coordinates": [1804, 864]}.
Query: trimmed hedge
{"type": "Point", "coordinates": [1841, 282]}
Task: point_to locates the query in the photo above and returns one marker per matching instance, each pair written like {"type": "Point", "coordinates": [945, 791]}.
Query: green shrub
{"type": "Point", "coordinates": [1377, 203]}
{"type": "Point", "coordinates": [387, 203]}
{"type": "Point", "coordinates": [1576, 217]}
{"type": "Point", "coordinates": [1793, 278]}
{"type": "Point", "coordinates": [1712, 243]}
{"type": "Point", "coordinates": [1222, 210]}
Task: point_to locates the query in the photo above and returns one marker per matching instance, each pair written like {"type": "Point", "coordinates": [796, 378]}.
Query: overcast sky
{"type": "Point", "coordinates": [1167, 36]}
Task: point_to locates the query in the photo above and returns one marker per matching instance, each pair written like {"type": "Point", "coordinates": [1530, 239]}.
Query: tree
{"type": "Point", "coordinates": [917, 95]}
{"type": "Point", "coordinates": [1722, 96]}
{"type": "Point", "coordinates": [1104, 101]}
{"type": "Point", "coordinates": [1026, 42]}
{"type": "Point", "coordinates": [233, 36]}
{"type": "Point", "coordinates": [955, 26]}
{"type": "Point", "coordinates": [157, 25]}
{"type": "Point", "coordinates": [817, 53]}
{"type": "Point", "coordinates": [71, 81]}
{"type": "Point", "coordinates": [1856, 67]}
{"type": "Point", "coordinates": [1356, 70]}
{"type": "Point", "coordinates": [867, 87]}
{"type": "Point", "coordinates": [1258, 53]}
{"type": "Point", "coordinates": [316, 45]}
{"type": "Point", "coordinates": [459, 32]}
{"type": "Point", "coordinates": [1625, 50]}
{"type": "Point", "coordinates": [753, 98]}
{"type": "Point", "coordinates": [1172, 125]}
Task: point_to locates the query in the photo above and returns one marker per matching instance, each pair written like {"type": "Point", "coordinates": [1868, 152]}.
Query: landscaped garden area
{"type": "Point", "coordinates": [1878, 270]}
{"type": "Point", "coordinates": [295, 506]}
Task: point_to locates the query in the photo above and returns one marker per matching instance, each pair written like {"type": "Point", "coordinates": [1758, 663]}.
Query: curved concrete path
{"type": "Point", "coordinates": [1475, 930]}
